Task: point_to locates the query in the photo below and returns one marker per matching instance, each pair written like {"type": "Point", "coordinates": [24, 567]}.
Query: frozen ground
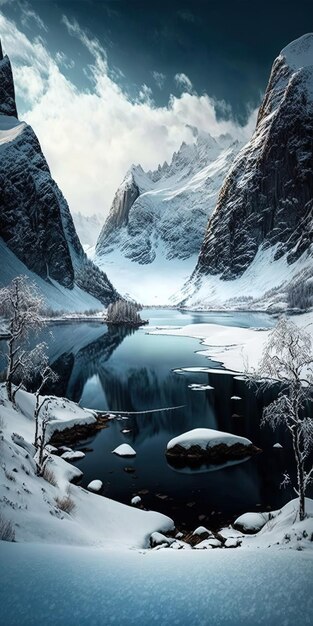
{"type": "Point", "coordinates": [236, 348]}
{"type": "Point", "coordinates": [55, 585]}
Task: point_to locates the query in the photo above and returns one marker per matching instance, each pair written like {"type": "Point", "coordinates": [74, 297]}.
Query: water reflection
{"type": "Point", "coordinates": [122, 370]}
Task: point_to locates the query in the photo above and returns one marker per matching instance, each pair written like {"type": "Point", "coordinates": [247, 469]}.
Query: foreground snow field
{"type": "Point", "coordinates": [55, 585]}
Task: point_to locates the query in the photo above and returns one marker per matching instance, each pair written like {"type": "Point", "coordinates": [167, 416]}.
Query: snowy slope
{"type": "Point", "coordinates": [88, 228]}
{"type": "Point", "coordinates": [30, 503]}
{"type": "Point", "coordinates": [57, 296]}
{"type": "Point", "coordinates": [264, 213]}
{"type": "Point", "coordinates": [152, 236]}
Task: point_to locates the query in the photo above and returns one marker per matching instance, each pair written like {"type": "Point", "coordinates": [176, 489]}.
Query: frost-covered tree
{"type": "Point", "coordinates": [21, 304]}
{"type": "Point", "coordinates": [41, 370]}
{"type": "Point", "coordinates": [40, 456]}
{"type": "Point", "coordinates": [288, 358]}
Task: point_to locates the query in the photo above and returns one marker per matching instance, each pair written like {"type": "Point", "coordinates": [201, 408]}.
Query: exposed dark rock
{"type": "Point", "coordinates": [196, 455]}
{"type": "Point", "coordinates": [35, 220]}
{"type": "Point", "coordinates": [7, 93]}
{"type": "Point", "coordinates": [267, 198]}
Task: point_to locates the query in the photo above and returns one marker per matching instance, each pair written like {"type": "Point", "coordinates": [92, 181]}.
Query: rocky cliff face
{"type": "Point", "coordinates": [35, 221]}
{"type": "Point", "coordinates": [267, 197]}
{"type": "Point", "coordinates": [7, 94]}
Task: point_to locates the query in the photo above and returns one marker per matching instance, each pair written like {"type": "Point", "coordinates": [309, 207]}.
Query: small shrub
{"type": "Point", "coordinates": [7, 532]}
{"type": "Point", "coordinates": [49, 475]}
{"type": "Point", "coordinates": [66, 504]}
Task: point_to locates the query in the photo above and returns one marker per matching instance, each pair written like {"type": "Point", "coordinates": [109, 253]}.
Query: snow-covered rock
{"type": "Point", "coordinates": [251, 522]}
{"type": "Point", "coordinates": [277, 445]}
{"type": "Point", "coordinates": [158, 539]}
{"type": "Point", "coordinates": [206, 438]}
{"type": "Point", "coordinates": [211, 445]}
{"type": "Point", "coordinates": [124, 450]}
{"type": "Point", "coordinates": [282, 528]}
{"type": "Point", "coordinates": [95, 485]}
{"type": "Point", "coordinates": [201, 530]}
{"type": "Point", "coordinates": [135, 500]}
{"type": "Point", "coordinates": [262, 224]}
{"type": "Point", "coordinates": [157, 220]}
{"type": "Point", "coordinates": [72, 455]}
{"type": "Point", "coordinates": [206, 544]}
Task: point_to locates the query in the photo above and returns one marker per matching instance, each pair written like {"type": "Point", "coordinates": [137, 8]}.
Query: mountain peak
{"type": "Point", "coordinates": [299, 53]}
{"type": "Point", "coordinates": [7, 93]}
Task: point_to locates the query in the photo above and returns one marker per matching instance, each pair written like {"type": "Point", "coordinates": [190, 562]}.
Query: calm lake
{"type": "Point", "coordinates": [110, 368]}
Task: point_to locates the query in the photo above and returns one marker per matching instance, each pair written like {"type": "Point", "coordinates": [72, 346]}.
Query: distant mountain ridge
{"type": "Point", "coordinates": [35, 221]}
{"type": "Point", "coordinates": [158, 218]}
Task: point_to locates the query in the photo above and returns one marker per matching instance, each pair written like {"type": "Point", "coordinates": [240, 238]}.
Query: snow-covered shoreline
{"type": "Point", "coordinates": [30, 503]}
{"type": "Point", "coordinates": [235, 348]}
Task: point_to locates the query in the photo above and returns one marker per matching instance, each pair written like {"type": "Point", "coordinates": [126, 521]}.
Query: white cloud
{"type": "Point", "coordinates": [62, 59]}
{"type": "Point", "coordinates": [183, 81]}
{"type": "Point", "coordinates": [91, 138]}
{"type": "Point", "coordinates": [29, 15]}
{"type": "Point", "coordinates": [159, 78]}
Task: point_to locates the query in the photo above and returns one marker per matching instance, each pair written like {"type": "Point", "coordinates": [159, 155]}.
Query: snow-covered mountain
{"type": "Point", "coordinates": [88, 228]}
{"type": "Point", "coordinates": [38, 236]}
{"type": "Point", "coordinates": [260, 234]}
{"type": "Point", "coordinates": [152, 236]}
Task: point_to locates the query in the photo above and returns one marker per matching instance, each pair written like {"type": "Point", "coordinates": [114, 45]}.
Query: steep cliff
{"type": "Point", "coordinates": [35, 221]}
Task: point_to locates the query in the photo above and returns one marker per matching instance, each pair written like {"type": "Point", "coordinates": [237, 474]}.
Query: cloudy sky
{"type": "Point", "coordinates": [109, 83]}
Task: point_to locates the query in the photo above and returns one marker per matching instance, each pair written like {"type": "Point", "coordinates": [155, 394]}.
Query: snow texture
{"type": "Point", "coordinates": [206, 438]}
{"type": "Point", "coordinates": [95, 485]}
{"type": "Point", "coordinates": [157, 220]}
{"type": "Point", "coordinates": [219, 587]}
{"type": "Point", "coordinates": [124, 450]}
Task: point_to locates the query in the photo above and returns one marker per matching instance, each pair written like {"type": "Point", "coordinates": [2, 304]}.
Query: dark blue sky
{"type": "Point", "coordinates": [225, 47]}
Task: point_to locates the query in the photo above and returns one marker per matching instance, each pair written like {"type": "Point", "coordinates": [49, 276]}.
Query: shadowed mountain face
{"type": "Point", "coordinates": [267, 198]}
{"type": "Point", "coordinates": [35, 221]}
{"type": "Point", "coordinates": [7, 94]}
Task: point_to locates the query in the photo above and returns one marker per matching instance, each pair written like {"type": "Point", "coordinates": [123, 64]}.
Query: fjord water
{"type": "Point", "coordinates": [118, 369]}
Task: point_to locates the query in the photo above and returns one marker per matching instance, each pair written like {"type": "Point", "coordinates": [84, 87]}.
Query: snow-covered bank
{"type": "Point", "coordinates": [236, 348]}
{"type": "Point", "coordinates": [35, 505]}
{"type": "Point", "coordinates": [88, 586]}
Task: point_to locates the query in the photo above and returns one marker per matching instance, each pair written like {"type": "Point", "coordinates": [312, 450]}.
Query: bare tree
{"type": "Point", "coordinates": [21, 304]}
{"type": "Point", "coordinates": [41, 436]}
{"type": "Point", "coordinates": [288, 358]}
{"type": "Point", "coordinates": [40, 368]}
